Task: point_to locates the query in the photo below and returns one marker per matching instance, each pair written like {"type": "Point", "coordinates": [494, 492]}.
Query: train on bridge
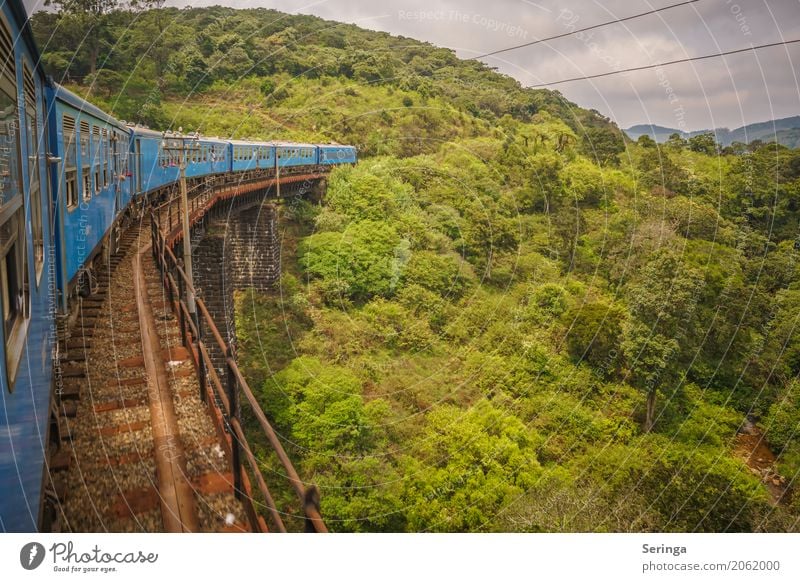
{"type": "Point", "coordinates": [71, 178]}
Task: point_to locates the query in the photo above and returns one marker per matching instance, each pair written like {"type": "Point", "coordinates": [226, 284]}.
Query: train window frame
{"type": "Point", "coordinates": [113, 147]}
{"type": "Point", "coordinates": [34, 144]}
{"type": "Point", "coordinates": [71, 194]}
{"type": "Point", "coordinates": [97, 157]}
{"type": "Point", "coordinates": [16, 310]}
{"type": "Point", "coordinates": [13, 170]}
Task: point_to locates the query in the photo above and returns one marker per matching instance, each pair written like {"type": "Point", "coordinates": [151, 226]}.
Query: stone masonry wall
{"type": "Point", "coordinates": [239, 250]}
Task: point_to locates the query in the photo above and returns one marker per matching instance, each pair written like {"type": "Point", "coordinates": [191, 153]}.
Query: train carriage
{"type": "Point", "coordinates": [155, 158]}
{"type": "Point", "coordinates": [208, 156]}
{"type": "Point", "coordinates": [93, 177]}
{"type": "Point", "coordinates": [26, 276]}
{"type": "Point", "coordinates": [291, 155]}
{"type": "Point", "coordinates": [246, 155]}
{"type": "Point", "coordinates": [332, 154]}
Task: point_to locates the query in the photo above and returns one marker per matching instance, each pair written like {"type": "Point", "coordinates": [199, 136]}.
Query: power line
{"type": "Point", "coordinates": [666, 63]}
{"type": "Point", "coordinates": [512, 48]}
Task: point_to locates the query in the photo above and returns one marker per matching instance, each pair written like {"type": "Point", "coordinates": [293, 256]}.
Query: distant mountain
{"type": "Point", "coordinates": [785, 131]}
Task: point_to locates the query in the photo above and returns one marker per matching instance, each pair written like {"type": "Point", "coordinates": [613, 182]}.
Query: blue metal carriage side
{"type": "Point", "coordinates": [295, 154]}
{"type": "Point", "coordinates": [210, 156]}
{"type": "Point", "coordinates": [246, 155]}
{"type": "Point", "coordinates": [26, 275]}
{"type": "Point", "coordinates": [92, 176]}
{"type": "Point", "coordinates": [332, 154]}
{"type": "Point", "coordinates": [157, 157]}
{"type": "Point", "coordinates": [154, 167]}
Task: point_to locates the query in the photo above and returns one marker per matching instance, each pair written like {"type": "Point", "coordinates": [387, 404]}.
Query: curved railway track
{"type": "Point", "coordinates": [142, 453]}
{"type": "Point", "coordinates": [151, 436]}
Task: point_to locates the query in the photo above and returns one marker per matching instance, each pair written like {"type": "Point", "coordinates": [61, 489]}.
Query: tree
{"type": "Point", "coordinates": [646, 141]}
{"type": "Point", "coordinates": [675, 141]}
{"type": "Point", "coordinates": [362, 262]}
{"type": "Point", "coordinates": [467, 467]}
{"type": "Point", "coordinates": [662, 303]}
{"type": "Point", "coordinates": [92, 16]}
{"type": "Point", "coordinates": [704, 143]}
{"type": "Point", "coordinates": [603, 144]}
{"type": "Point", "coordinates": [594, 335]}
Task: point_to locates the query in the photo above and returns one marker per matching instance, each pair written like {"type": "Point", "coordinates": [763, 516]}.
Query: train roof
{"type": "Point", "coordinates": [292, 144]}
{"type": "Point", "coordinates": [213, 139]}
{"type": "Point", "coordinates": [152, 133]}
{"type": "Point", "coordinates": [248, 142]}
{"type": "Point", "coordinates": [65, 95]}
{"type": "Point", "coordinates": [146, 131]}
{"type": "Point", "coordinates": [24, 24]}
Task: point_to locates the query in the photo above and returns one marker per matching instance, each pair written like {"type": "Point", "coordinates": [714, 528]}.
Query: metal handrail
{"type": "Point", "coordinates": [228, 389]}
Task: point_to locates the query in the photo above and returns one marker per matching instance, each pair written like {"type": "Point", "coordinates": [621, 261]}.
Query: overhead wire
{"type": "Point", "coordinates": [664, 63]}
{"type": "Point", "coordinates": [592, 27]}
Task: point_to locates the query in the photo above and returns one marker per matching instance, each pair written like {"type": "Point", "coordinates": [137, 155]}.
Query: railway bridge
{"type": "Point", "coordinates": [150, 434]}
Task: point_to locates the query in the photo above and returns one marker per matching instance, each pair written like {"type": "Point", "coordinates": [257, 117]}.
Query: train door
{"type": "Point", "coordinates": [137, 164]}
{"type": "Point", "coordinates": [115, 170]}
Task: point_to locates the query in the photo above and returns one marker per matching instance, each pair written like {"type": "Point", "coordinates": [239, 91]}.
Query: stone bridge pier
{"type": "Point", "coordinates": [237, 247]}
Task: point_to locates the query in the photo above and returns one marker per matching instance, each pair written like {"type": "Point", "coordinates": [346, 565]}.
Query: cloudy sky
{"type": "Point", "coordinates": [730, 91]}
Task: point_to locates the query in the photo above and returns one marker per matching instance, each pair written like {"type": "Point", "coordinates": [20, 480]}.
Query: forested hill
{"type": "Point", "coordinates": [265, 74]}
{"type": "Point", "coordinates": [505, 317]}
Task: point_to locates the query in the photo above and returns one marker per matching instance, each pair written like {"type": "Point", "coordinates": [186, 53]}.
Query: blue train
{"type": "Point", "coordinates": [71, 177]}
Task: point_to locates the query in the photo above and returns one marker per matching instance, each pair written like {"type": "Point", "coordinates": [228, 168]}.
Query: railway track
{"type": "Point", "coordinates": [139, 448]}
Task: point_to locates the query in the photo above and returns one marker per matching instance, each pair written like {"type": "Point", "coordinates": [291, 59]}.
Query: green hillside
{"type": "Point", "coordinates": [504, 318]}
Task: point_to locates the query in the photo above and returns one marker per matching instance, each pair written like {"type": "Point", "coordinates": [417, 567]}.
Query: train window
{"type": "Point", "coordinates": [14, 290]}
{"type": "Point", "coordinates": [33, 171]}
{"type": "Point", "coordinates": [113, 144]}
{"type": "Point", "coordinates": [10, 171]}
{"type": "Point", "coordinates": [9, 146]}
{"type": "Point", "coordinates": [70, 161]}
{"type": "Point", "coordinates": [126, 144]}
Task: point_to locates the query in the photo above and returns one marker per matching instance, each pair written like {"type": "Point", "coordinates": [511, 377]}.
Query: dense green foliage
{"type": "Point", "coordinates": [505, 317]}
